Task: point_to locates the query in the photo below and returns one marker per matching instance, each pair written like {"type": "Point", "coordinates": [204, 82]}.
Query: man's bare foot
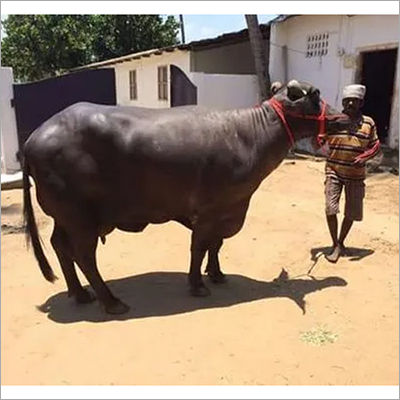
{"type": "Point", "coordinates": [338, 251]}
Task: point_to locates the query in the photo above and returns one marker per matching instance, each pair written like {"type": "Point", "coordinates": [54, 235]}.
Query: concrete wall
{"type": "Point", "coordinates": [9, 138]}
{"type": "Point", "coordinates": [225, 91]}
{"type": "Point", "coordinates": [348, 37]}
{"type": "Point", "coordinates": [228, 59]}
{"type": "Point", "coordinates": [147, 78]}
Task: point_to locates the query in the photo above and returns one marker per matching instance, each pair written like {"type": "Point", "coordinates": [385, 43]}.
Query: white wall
{"type": "Point", "coordinates": [349, 35]}
{"type": "Point", "coordinates": [213, 90]}
{"type": "Point", "coordinates": [147, 78]}
{"type": "Point", "coordinates": [9, 138]}
{"type": "Point", "coordinates": [293, 33]}
{"type": "Point", "coordinates": [225, 91]}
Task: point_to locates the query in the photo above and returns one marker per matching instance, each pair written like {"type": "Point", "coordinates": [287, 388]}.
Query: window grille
{"type": "Point", "coordinates": [317, 45]}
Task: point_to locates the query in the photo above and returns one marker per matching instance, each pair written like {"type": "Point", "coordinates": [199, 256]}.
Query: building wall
{"type": "Point", "coordinates": [228, 59]}
{"type": "Point", "coordinates": [9, 138]}
{"type": "Point", "coordinates": [348, 37]}
{"type": "Point", "coordinates": [213, 90]}
{"type": "Point", "coordinates": [225, 91]}
{"type": "Point", "coordinates": [147, 78]}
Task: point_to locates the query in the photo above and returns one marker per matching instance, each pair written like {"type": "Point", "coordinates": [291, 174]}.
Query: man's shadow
{"type": "Point", "coordinates": [166, 293]}
{"type": "Point", "coordinates": [352, 253]}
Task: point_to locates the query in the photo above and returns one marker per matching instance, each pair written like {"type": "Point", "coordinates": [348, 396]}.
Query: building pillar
{"type": "Point", "coordinates": [9, 136]}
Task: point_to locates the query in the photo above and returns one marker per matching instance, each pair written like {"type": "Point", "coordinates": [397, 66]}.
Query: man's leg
{"type": "Point", "coordinates": [333, 228]}
{"type": "Point", "coordinates": [333, 189]}
{"type": "Point", "coordinates": [346, 226]}
{"type": "Point", "coordinates": [338, 246]}
{"type": "Point", "coordinates": [355, 193]}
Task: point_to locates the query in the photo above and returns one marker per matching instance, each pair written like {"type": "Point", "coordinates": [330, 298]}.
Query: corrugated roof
{"type": "Point", "coordinates": [129, 57]}
{"type": "Point", "coordinates": [283, 17]}
{"type": "Point", "coordinates": [224, 39]}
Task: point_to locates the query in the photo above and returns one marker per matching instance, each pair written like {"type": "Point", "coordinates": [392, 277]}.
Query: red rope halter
{"type": "Point", "coordinates": [278, 107]}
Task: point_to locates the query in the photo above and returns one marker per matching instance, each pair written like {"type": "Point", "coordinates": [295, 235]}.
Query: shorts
{"type": "Point", "coordinates": [354, 191]}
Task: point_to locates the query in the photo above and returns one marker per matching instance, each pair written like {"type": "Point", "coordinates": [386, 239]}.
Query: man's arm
{"type": "Point", "coordinates": [373, 149]}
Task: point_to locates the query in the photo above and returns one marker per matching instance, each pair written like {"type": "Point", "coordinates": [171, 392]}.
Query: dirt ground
{"type": "Point", "coordinates": [271, 324]}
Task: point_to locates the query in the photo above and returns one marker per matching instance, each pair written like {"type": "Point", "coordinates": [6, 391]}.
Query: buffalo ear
{"type": "Point", "coordinates": [315, 95]}
{"type": "Point", "coordinates": [294, 91]}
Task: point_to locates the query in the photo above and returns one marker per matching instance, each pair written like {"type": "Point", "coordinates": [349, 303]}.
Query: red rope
{"type": "Point", "coordinates": [369, 153]}
{"type": "Point", "coordinates": [322, 117]}
{"type": "Point", "coordinates": [278, 107]}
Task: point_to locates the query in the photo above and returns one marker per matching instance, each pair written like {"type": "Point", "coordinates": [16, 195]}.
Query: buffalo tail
{"type": "Point", "coordinates": [31, 231]}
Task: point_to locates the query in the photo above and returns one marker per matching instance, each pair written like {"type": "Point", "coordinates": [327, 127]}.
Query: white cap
{"type": "Point", "coordinates": [357, 91]}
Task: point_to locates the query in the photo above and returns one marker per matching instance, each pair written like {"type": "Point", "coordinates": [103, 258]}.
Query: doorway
{"type": "Point", "coordinates": [378, 74]}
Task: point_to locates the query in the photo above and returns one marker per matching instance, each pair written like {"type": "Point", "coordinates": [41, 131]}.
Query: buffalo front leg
{"type": "Point", "coordinates": [213, 268]}
{"type": "Point", "coordinates": [85, 255]}
{"type": "Point", "coordinates": [197, 251]}
{"type": "Point", "coordinates": [61, 246]}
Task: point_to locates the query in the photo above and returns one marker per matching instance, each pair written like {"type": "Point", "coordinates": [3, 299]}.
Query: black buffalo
{"type": "Point", "coordinates": [97, 168]}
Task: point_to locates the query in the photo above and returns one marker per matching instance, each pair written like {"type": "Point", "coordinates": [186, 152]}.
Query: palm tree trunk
{"type": "Point", "coordinates": [261, 60]}
{"type": "Point", "coordinates": [182, 28]}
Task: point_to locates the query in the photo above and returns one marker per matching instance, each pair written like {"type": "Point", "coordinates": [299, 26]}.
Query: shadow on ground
{"type": "Point", "coordinates": [352, 253]}
{"type": "Point", "coordinates": [12, 209]}
{"type": "Point", "coordinates": [166, 293]}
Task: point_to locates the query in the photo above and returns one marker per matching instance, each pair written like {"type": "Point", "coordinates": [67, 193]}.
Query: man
{"type": "Point", "coordinates": [345, 167]}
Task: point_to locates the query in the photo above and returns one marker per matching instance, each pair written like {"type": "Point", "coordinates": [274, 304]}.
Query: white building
{"type": "Point", "coordinates": [331, 51]}
{"type": "Point", "coordinates": [217, 72]}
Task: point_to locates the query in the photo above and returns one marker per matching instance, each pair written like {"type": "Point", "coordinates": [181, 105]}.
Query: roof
{"type": "Point", "coordinates": [283, 17]}
{"type": "Point", "coordinates": [224, 39]}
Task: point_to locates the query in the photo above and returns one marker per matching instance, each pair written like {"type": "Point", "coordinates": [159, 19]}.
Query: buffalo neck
{"type": "Point", "coordinates": [264, 135]}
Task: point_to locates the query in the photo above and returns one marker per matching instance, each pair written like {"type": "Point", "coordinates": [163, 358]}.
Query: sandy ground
{"type": "Point", "coordinates": [251, 331]}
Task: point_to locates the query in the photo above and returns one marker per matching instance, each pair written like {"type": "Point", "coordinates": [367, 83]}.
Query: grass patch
{"type": "Point", "coordinates": [318, 336]}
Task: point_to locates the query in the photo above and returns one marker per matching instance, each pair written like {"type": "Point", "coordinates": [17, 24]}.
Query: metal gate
{"type": "Point", "coordinates": [36, 102]}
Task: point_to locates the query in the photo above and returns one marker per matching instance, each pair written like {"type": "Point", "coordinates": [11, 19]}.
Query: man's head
{"type": "Point", "coordinates": [353, 99]}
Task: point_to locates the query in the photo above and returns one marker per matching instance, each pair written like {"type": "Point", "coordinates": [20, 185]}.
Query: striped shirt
{"type": "Point", "coordinates": [345, 146]}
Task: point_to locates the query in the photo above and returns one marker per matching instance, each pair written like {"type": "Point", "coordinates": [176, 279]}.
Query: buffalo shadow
{"type": "Point", "coordinates": [166, 293]}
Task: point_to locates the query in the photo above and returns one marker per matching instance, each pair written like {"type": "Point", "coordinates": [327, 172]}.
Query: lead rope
{"type": "Point", "coordinates": [278, 108]}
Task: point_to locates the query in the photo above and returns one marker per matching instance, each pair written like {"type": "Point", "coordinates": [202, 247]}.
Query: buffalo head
{"type": "Point", "coordinates": [307, 114]}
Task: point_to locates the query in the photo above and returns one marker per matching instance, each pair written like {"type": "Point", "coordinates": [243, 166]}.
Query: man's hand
{"type": "Point", "coordinates": [359, 161]}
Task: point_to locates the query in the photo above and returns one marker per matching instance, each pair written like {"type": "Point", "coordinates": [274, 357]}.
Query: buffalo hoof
{"type": "Point", "coordinates": [117, 307]}
{"type": "Point", "coordinates": [217, 278]}
{"type": "Point", "coordinates": [200, 291]}
{"type": "Point", "coordinates": [84, 297]}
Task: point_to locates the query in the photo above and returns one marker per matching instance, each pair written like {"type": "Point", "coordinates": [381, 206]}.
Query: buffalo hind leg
{"type": "Point", "coordinates": [61, 246]}
{"type": "Point", "coordinates": [213, 268]}
{"type": "Point", "coordinates": [197, 251]}
{"type": "Point", "coordinates": [85, 256]}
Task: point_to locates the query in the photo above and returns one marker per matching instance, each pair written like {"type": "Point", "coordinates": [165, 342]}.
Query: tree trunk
{"type": "Point", "coordinates": [182, 28]}
{"type": "Point", "coordinates": [261, 60]}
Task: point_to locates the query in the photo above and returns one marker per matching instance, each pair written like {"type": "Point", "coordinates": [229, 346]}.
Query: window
{"type": "Point", "coordinates": [317, 45]}
{"type": "Point", "coordinates": [132, 85]}
{"type": "Point", "coordinates": [162, 83]}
